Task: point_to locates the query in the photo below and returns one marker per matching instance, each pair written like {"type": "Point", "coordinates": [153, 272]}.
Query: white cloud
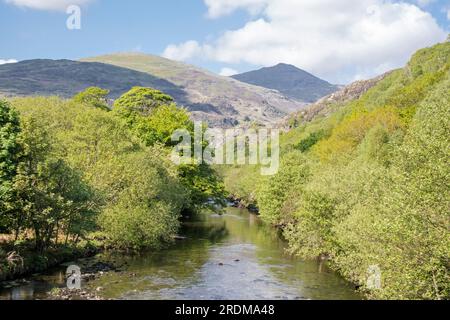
{"type": "Point", "coordinates": [59, 5]}
{"type": "Point", "coordinates": [337, 40]}
{"type": "Point", "coordinates": [3, 61]}
{"type": "Point", "coordinates": [448, 14]}
{"type": "Point", "coordinates": [228, 72]}
{"type": "Point", "coordinates": [183, 51]}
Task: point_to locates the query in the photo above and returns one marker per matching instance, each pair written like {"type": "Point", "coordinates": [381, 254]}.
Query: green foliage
{"type": "Point", "coordinates": [241, 183]}
{"type": "Point", "coordinates": [159, 126]}
{"type": "Point", "coordinates": [152, 115]}
{"type": "Point", "coordinates": [276, 195]}
{"type": "Point", "coordinates": [430, 60]}
{"type": "Point", "coordinates": [9, 158]}
{"type": "Point", "coordinates": [311, 225]}
{"type": "Point", "coordinates": [352, 130]}
{"type": "Point", "coordinates": [375, 192]}
{"type": "Point", "coordinates": [140, 101]}
{"type": "Point", "coordinates": [90, 170]}
{"type": "Point", "coordinates": [93, 97]}
{"type": "Point", "coordinates": [165, 120]}
{"type": "Point", "coordinates": [402, 224]}
{"type": "Point", "coordinates": [306, 144]}
{"type": "Point", "coordinates": [141, 195]}
{"type": "Point", "coordinates": [102, 165]}
{"type": "Point", "coordinates": [205, 187]}
{"type": "Point", "coordinates": [146, 212]}
{"type": "Point", "coordinates": [155, 124]}
{"type": "Point", "coordinates": [51, 195]}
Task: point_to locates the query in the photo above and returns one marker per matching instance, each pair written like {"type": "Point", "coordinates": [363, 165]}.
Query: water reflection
{"type": "Point", "coordinates": [233, 256]}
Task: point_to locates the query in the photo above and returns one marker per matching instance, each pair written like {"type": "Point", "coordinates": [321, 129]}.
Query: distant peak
{"type": "Point", "coordinates": [285, 66]}
{"type": "Point", "coordinates": [281, 64]}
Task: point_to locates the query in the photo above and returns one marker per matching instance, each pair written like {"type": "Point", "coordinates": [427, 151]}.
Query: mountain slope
{"type": "Point", "coordinates": [65, 78]}
{"type": "Point", "coordinates": [290, 81]}
{"type": "Point", "coordinates": [329, 104]}
{"type": "Point", "coordinates": [221, 101]}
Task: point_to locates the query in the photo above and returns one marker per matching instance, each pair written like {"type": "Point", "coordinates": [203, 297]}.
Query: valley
{"type": "Point", "coordinates": [362, 184]}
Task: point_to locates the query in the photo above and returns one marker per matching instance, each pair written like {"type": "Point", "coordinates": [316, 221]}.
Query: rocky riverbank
{"type": "Point", "coordinates": [238, 203]}
{"type": "Point", "coordinates": [91, 270]}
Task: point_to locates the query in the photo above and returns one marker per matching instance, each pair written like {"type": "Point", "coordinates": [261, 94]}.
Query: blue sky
{"type": "Point", "coordinates": [236, 35]}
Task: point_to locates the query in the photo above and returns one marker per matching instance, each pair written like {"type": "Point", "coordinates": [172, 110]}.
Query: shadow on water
{"type": "Point", "coordinates": [234, 256]}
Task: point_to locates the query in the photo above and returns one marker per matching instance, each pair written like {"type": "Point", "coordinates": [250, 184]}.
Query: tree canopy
{"type": "Point", "coordinates": [94, 97]}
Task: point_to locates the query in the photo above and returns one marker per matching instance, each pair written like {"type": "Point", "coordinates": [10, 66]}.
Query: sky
{"type": "Point", "coordinates": [337, 40]}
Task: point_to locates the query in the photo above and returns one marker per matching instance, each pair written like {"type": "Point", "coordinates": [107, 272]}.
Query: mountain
{"type": "Point", "coordinates": [65, 78]}
{"type": "Point", "coordinates": [220, 101]}
{"type": "Point", "coordinates": [290, 81]}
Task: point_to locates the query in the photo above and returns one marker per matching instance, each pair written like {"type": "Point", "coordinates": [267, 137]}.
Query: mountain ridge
{"type": "Point", "coordinates": [207, 89]}
{"type": "Point", "coordinates": [290, 81]}
{"type": "Point", "coordinates": [220, 101]}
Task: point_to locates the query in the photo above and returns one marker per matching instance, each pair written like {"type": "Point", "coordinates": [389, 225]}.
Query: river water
{"type": "Point", "coordinates": [231, 257]}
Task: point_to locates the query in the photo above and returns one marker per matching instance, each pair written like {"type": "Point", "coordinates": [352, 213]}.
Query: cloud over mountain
{"type": "Point", "coordinates": [6, 61]}
{"type": "Point", "coordinates": [353, 38]}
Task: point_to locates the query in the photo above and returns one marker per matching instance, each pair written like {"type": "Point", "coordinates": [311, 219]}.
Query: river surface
{"type": "Point", "coordinates": [231, 257]}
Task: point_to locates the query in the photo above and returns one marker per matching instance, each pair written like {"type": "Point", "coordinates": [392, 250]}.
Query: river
{"type": "Point", "coordinates": [231, 257]}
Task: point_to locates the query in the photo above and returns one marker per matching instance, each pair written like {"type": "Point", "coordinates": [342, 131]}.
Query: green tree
{"type": "Point", "coordinates": [275, 194]}
{"type": "Point", "coordinates": [204, 185]}
{"type": "Point", "coordinates": [138, 188]}
{"type": "Point", "coordinates": [50, 194]}
{"type": "Point", "coordinates": [164, 121]}
{"type": "Point", "coordinates": [9, 158]}
{"type": "Point", "coordinates": [93, 97]}
{"type": "Point", "coordinates": [140, 101]}
{"type": "Point", "coordinates": [158, 127]}
{"type": "Point", "coordinates": [153, 118]}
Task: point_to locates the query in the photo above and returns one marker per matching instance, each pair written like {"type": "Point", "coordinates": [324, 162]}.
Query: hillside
{"type": "Point", "coordinates": [65, 78]}
{"type": "Point", "coordinates": [221, 101]}
{"type": "Point", "coordinates": [218, 100]}
{"type": "Point", "coordinates": [363, 181]}
{"type": "Point", "coordinates": [331, 103]}
{"type": "Point", "coordinates": [290, 81]}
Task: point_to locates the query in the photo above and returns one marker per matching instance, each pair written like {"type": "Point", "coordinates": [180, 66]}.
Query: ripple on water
{"type": "Point", "coordinates": [224, 278]}
{"type": "Point", "coordinates": [231, 256]}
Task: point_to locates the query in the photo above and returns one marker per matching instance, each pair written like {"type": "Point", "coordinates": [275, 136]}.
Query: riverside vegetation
{"type": "Point", "coordinates": [75, 175]}
{"type": "Point", "coordinates": [368, 185]}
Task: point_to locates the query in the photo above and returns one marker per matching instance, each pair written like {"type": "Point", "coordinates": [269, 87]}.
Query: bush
{"type": "Point", "coordinates": [274, 194]}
